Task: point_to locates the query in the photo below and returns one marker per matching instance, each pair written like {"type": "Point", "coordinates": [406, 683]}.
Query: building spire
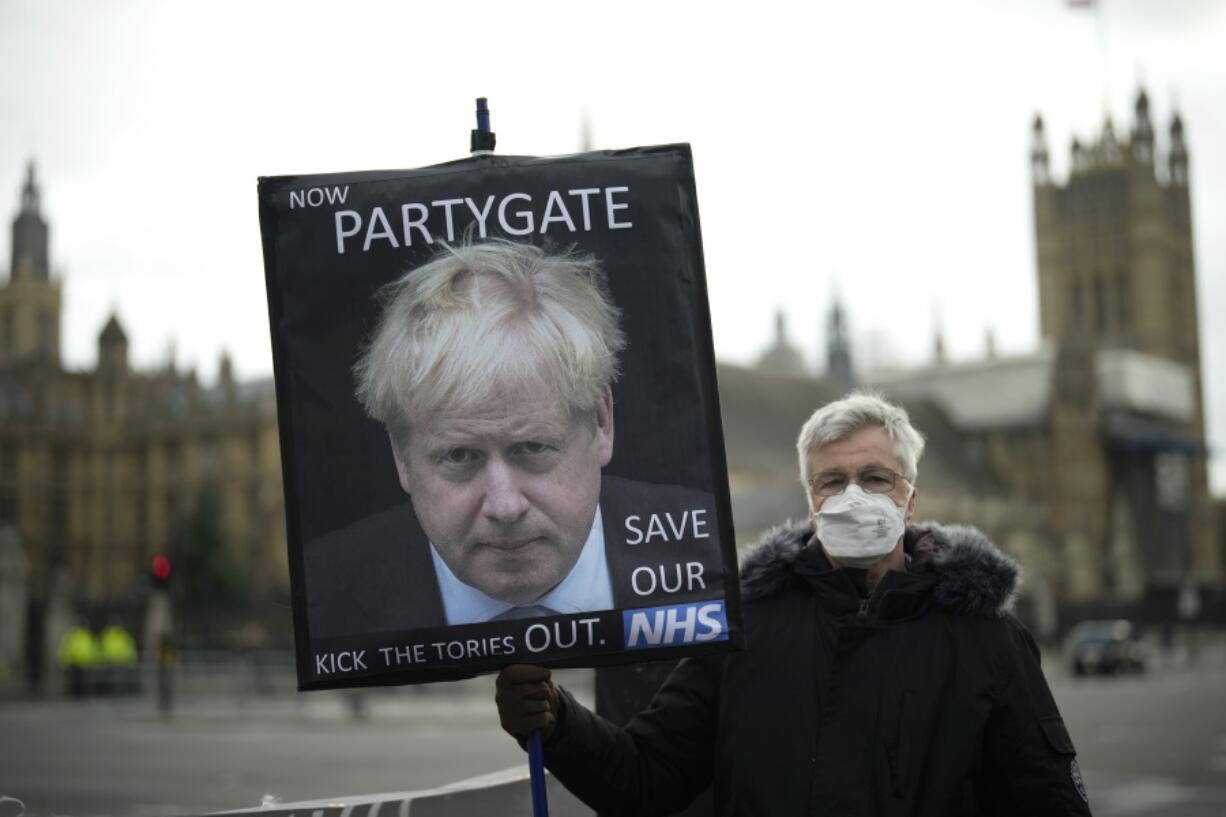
{"type": "Point", "coordinates": [29, 193]}
{"type": "Point", "coordinates": [838, 349]}
{"type": "Point", "coordinates": [1039, 170]}
{"type": "Point", "coordinates": [1178, 159]}
{"type": "Point", "coordinates": [1108, 146]}
{"type": "Point", "coordinates": [113, 346]}
{"type": "Point", "coordinates": [29, 247]}
{"type": "Point", "coordinates": [1142, 130]}
{"type": "Point", "coordinates": [781, 357]}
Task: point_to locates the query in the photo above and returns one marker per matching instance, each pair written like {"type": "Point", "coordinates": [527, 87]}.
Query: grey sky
{"type": "Point", "coordinates": [877, 149]}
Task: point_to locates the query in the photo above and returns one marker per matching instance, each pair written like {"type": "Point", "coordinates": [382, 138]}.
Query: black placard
{"type": "Point", "coordinates": [368, 608]}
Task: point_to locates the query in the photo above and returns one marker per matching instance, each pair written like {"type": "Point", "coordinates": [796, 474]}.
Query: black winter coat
{"type": "Point", "coordinates": [925, 698]}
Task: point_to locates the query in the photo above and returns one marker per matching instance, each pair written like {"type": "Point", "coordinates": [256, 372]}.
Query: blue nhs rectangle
{"type": "Point", "coordinates": [672, 624]}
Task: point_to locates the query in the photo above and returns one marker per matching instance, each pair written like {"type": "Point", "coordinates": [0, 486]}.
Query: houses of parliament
{"type": "Point", "coordinates": [1101, 431]}
{"type": "Point", "coordinates": [1085, 458]}
{"type": "Point", "coordinates": [100, 468]}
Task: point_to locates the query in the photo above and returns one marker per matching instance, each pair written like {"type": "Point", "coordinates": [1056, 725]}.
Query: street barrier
{"type": "Point", "coordinates": [504, 792]}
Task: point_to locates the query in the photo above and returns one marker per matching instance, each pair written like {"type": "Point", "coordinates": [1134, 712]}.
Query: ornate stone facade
{"type": "Point", "coordinates": [101, 468]}
{"type": "Point", "coordinates": [1101, 430]}
{"type": "Point", "coordinates": [1118, 298]}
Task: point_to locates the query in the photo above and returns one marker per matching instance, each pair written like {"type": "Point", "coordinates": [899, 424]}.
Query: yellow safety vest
{"type": "Point", "coordinates": [118, 648]}
{"type": "Point", "coordinates": [78, 649]}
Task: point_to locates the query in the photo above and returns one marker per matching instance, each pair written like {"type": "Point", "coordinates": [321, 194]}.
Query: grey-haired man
{"type": "Point", "coordinates": [884, 672]}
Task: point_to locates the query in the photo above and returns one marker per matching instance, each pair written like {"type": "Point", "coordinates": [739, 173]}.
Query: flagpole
{"type": "Point", "coordinates": [1100, 36]}
{"type": "Point", "coordinates": [1100, 25]}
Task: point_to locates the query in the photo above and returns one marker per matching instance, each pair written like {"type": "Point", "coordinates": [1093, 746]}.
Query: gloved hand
{"type": "Point", "coordinates": [527, 699]}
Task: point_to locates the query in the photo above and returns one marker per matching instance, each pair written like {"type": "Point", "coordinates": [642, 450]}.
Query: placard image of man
{"type": "Point", "coordinates": [491, 367]}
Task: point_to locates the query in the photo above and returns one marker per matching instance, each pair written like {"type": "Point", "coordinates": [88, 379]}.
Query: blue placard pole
{"type": "Point", "coordinates": [536, 769]}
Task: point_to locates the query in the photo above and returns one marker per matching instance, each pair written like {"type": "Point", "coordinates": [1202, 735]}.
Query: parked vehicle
{"type": "Point", "coordinates": [1106, 647]}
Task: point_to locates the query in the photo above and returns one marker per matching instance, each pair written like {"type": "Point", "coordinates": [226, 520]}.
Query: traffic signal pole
{"type": "Point", "coordinates": [159, 630]}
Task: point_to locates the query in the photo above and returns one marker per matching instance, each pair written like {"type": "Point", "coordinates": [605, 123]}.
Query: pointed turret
{"type": "Point", "coordinates": [1109, 146]}
{"type": "Point", "coordinates": [838, 349]}
{"type": "Point", "coordinates": [1178, 160]}
{"type": "Point", "coordinates": [1079, 155]}
{"type": "Point", "coordinates": [113, 346]}
{"type": "Point", "coordinates": [29, 193]}
{"type": "Point", "coordinates": [1142, 130]}
{"type": "Point", "coordinates": [225, 379]}
{"type": "Point", "coordinates": [30, 299]}
{"type": "Point", "coordinates": [30, 235]}
{"type": "Point", "coordinates": [1040, 173]}
{"type": "Point", "coordinates": [781, 357]}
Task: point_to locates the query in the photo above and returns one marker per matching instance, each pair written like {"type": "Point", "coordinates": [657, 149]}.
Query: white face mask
{"type": "Point", "coordinates": [859, 529]}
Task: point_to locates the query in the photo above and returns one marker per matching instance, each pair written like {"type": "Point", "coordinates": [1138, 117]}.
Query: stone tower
{"type": "Point", "coordinates": [1115, 243]}
{"type": "Point", "coordinates": [1117, 298]}
{"type": "Point", "coordinates": [30, 298]}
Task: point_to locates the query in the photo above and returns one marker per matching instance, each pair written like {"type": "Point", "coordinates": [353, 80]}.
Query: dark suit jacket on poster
{"type": "Point", "coordinates": [377, 575]}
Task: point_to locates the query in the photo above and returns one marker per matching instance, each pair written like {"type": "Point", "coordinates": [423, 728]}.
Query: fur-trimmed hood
{"type": "Point", "coordinates": [972, 576]}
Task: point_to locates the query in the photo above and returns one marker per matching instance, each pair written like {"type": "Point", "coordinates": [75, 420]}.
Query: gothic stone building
{"type": "Point", "coordinates": [99, 468]}
{"type": "Point", "coordinates": [1102, 428]}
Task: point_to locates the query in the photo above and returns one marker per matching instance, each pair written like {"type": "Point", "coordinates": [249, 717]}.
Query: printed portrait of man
{"type": "Point", "coordinates": [492, 368]}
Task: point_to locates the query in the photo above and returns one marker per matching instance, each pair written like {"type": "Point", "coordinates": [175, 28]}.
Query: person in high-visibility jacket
{"type": "Point", "coordinates": [117, 651]}
{"type": "Point", "coordinates": [78, 654]}
{"type": "Point", "coordinates": [117, 647]}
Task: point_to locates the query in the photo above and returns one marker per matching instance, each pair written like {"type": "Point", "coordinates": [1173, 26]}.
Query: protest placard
{"type": "Point", "coordinates": [499, 423]}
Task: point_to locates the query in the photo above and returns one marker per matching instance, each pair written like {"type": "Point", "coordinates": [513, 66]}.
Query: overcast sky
{"type": "Point", "coordinates": [878, 150]}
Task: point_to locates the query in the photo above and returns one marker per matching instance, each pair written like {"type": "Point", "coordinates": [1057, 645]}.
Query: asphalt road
{"type": "Point", "coordinates": [1151, 745]}
{"type": "Point", "coordinates": [107, 758]}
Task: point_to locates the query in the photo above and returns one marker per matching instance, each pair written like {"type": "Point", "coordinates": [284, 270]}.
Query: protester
{"type": "Point", "coordinates": [884, 672]}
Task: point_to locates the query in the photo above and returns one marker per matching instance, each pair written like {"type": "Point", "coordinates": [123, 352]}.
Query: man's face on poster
{"type": "Point", "coordinates": [507, 495]}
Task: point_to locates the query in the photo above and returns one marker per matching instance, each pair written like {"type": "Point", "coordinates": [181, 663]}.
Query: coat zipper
{"type": "Point", "coordinates": [863, 614]}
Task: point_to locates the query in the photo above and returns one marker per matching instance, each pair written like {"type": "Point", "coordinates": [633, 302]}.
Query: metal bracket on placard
{"type": "Point", "coordinates": [481, 140]}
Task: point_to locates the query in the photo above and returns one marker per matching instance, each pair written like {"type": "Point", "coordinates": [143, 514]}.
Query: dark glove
{"type": "Point", "coordinates": [527, 699]}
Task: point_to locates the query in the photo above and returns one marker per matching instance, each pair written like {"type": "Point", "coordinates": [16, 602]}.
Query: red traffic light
{"type": "Point", "coordinates": [160, 568]}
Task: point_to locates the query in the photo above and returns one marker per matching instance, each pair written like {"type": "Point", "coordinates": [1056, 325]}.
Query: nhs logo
{"type": "Point", "coordinates": [675, 624]}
